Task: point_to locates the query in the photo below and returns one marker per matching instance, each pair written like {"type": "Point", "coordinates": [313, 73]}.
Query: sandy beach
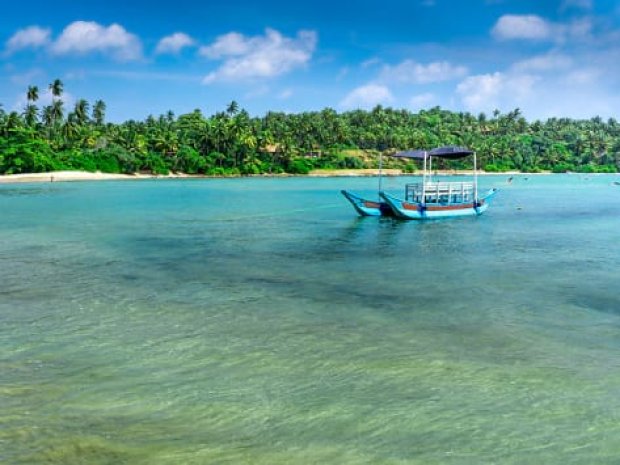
{"type": "Point", "coordinates": [60, 176]}
{"type": "Point", "coordinates": [349, 172]}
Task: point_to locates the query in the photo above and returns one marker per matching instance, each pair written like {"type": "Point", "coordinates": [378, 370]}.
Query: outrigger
{"type": "Point", "coordinates": [430, 199]}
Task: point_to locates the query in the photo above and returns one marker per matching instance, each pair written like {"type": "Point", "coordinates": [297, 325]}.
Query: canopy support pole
{"type": "Point", "coordinates": [380, 170]}
{"type": "Point", "coordinates": [424, 182]}
{"type": "Point", "coordinates": [430, 169]}
{"type": "Point", "coordinates": [475, 181]}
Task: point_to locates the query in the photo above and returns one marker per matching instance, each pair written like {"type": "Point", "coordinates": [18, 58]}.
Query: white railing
{"type": "Point", "coordinates": [440, 192]}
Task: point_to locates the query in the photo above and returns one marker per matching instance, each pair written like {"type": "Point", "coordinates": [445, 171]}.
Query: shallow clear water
{"type": "Point", "coordinates": [259, 321]}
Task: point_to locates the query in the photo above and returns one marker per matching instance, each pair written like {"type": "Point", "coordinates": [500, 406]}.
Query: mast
{"type": "Point", "coordinates": [475, 181]}
{"type": "Point", "coordinates": [380, 169]}
{"type": "Point", "coordinates": [430, 169]}
{"type": "Point", "coordinates": [424, 181]}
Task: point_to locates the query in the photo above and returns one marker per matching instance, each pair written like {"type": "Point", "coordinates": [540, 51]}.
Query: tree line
{"type": "Point", "coordinates": [231, 142]}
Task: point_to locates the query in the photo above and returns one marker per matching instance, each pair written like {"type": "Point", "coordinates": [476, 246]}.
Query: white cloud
{"type": "Point", "coordinates": [533, 27]}
{"type": "Point", "coordinates": [285, 94]}
{"type": "Point", "coordinates": [367, 97]}
{"type": "Point", "coordinates": [542, 63]}
{"type": "Point", "coordinates": [477, 91]}
{"type": "Point", "coordinates": [522, 27]}
{"type": "Point", "coordinates": [578, 29]}
{"type": "Point", "coordinates": [422, 100]}
{"type": "Point", "coordinates": [30, 37]}
{"type": "Point", "coordinates": [342, 73]}
{"type": "Point", "coordinates": [231, 44]}
{"type": "Point", "coordinates": [486, 92]}
{"type": "Point", "coordinates": [256, 92]}
{"type": "Point", "coordinates": [260, 56]}
{"type": "Point", "coordinates": [415, 73]}
{"type": "Point", "coordinates": [81, 37]}
{"type": "Point", "coordinates": [579, 4]}
{"type": "Point", "coordinates": [371, 62]}
{"type": "Point", "coordinates": [27, 78]}
{"type": "Point", "coordinates": [586, 76]}
{"type": "Point", "coordinates": [174, 43]}
{"type": "Point", "coordinates": [45, 98]}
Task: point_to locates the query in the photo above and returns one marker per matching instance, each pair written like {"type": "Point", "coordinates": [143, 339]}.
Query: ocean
{"type": "Point", "coordinates": [261, 321]}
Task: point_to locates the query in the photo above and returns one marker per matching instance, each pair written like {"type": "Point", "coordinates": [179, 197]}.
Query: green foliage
{"type": "Point", "coordinates": [409, 167]}
{"type": "Point", "coordinates": [563, 167]}
{"type": "Point", "coordinates": [190, 160]}
{"type": "Point", "coordinates": [77, 160]}
{"type": "Point", "coordinates": [299, 166]}
{"type": "Point", "coordinates": [232, 142]}
{"type": "Point", "coordinates": [27, 156]}
{"type": "Point", "coordinates": [86, 160]}
{"type": "Point", "coordinates": [154, 163]}
{"type": "Point", "coordinates": [128, 162]}
{"type": "Point", "coordinates": [591, 168]}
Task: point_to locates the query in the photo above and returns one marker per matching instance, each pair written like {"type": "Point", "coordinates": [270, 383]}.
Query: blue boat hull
{"type": "Point", "coordinates": [416, 211]}
{"type": "Point", "coordinates": [367, 207]}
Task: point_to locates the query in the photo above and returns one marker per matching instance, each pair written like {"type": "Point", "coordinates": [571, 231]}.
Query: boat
{"type": "Point", "coordinates": [429, 199]}
{"type": "Point", "coordinates": [367, 207]}
{"type": "Point", "coordinates": [439, 199]}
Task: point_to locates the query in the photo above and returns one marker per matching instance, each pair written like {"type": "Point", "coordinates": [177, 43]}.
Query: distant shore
{"type": "Point", "coordinates": [62, 176]}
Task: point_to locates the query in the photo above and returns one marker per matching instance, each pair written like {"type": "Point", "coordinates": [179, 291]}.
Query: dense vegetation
{"type": "Point", "coordinates": [232, 143]}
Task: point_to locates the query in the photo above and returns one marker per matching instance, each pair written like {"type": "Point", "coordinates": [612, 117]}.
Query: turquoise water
{"type": "Point", "coordinates": [260, 321]}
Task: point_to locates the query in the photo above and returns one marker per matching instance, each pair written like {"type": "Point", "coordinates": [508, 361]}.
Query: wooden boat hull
{"type": "Point", "coordinates": [417, 211]}
{"type": "Point", "coordinates": [367, 207]}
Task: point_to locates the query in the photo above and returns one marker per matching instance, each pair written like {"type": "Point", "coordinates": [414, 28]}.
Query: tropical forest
{"type": "Point", "coordinates": [231, 142]}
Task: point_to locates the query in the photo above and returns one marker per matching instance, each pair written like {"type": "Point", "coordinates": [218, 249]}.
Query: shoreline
{"type": "Point", "coordinates": [72, 176]}
{"type": "Point", "coordinates": [65, 176]}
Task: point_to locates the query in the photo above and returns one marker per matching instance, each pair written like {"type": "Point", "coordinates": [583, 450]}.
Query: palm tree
{"type": "Point", "coordinates": [56, 88]}
{"type": "Point", "coordinates": [99, 112]}
{"type": "Point", "coordinates": [70, 128]}
{"type": "Point", "coordinates": [32, 94]}
{"type": "Point", "coordinates": [30, 114]}
{"type": "Point", "coordinates": [81, 112]}
{"type": "Point", "coordinates": [233, 108]}
{"type": "Point", "coordinates": [57, 110]}
{"type": "Point", "coordinates": [48, 117]}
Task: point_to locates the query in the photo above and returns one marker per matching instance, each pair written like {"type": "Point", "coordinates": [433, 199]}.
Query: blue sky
{"type": "Point", "coordinates": [549, 58]}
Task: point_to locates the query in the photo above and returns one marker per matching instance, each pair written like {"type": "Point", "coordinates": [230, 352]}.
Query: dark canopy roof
{"type": "Point", "coordinates": [451, 152]}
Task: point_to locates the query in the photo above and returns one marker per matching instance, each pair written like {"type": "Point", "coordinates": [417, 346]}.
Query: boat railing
{"type": "Point", "coordinates": [440, 192]}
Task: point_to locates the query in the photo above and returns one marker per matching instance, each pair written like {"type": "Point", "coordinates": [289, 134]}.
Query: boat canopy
{"type": "Point", "coordinates": [451, 152]}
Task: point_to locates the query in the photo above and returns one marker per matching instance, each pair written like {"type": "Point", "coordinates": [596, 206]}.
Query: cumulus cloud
{"type": "Point", "coordinates": [30, 37]}
{"type": "Point", "coordinates": [371, 62]}
{"type": "Point", "coordinates": [533, 27]}
{"type": "Point", "coordinates": [174, 43]}
{"type": "Point", "coordinates": [546, 62]}
{"type": "Point", "coordinates": [522, 27]}
{"type": "Point", "coordinates": [585, 76]}
{"type": "Point", "coordinates": [231, 44]}
{"type": "Point", "coordinates": [367, 96]}
{"type": "Point", "coordinates": [263, 56]}
{"type": "Point", "coordinates": [82, 37]}
{"type": "Point", "coordinates": [28, 77]}
{"type": "Point", "coordinates": [579, 4]}
{"type": "Point", "coordinates": [285, 94]}
{"type": "Point", "coordinates": [486, 92]}
{"type": "Point", "coordinates": [416, 73]}
{"type": "Point", "coordinates": [422, 100]}
{"type": "Point", "coordinates": [45, 98]}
